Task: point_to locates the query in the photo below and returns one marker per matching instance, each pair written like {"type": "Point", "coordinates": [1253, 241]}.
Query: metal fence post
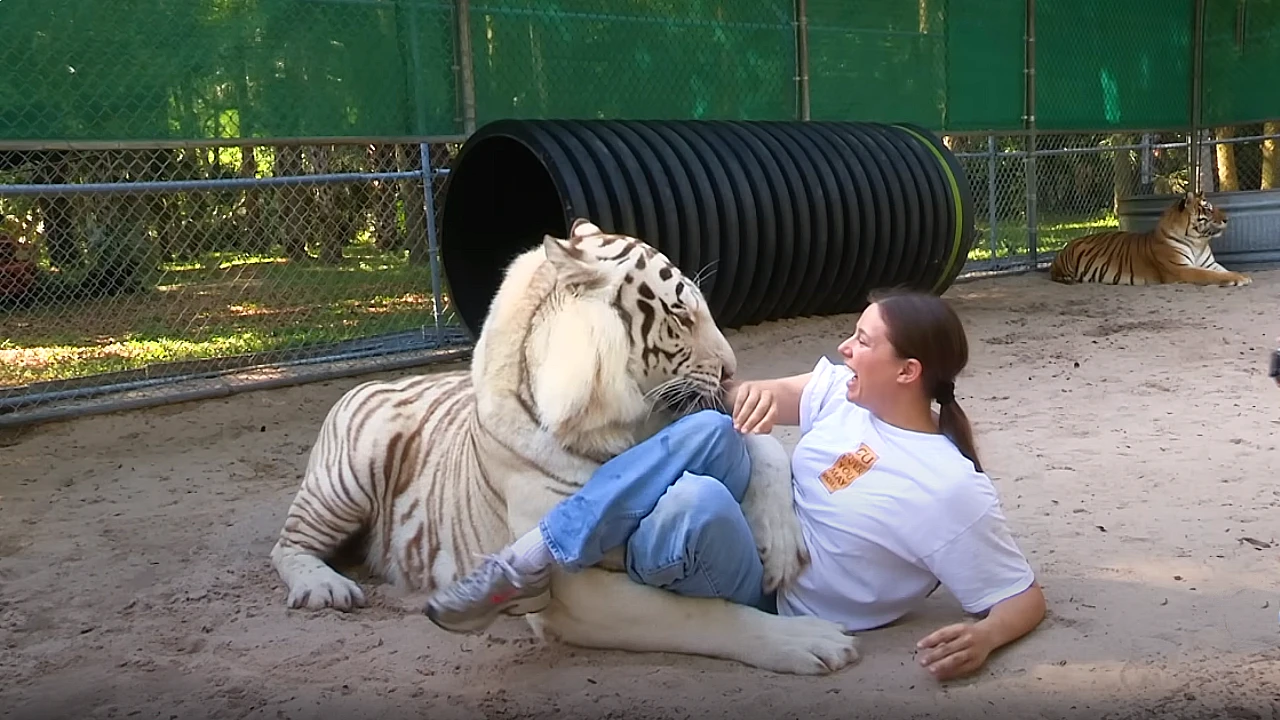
{"type": "Point", "coordinates": [1033, 222]}
{"type": "Point", "coordinates": [1197, 65]}
{"type": "Point", "coordinates": [1206, 180]}
{"type": "Point", "coordinates": [802, 58]}
{"type": "Point", "coordinates": [466, 65]}
{"type": "Point", "coordinates": [1145, 180]}
{"type": "Point", "coordinates": [433, 246]}
{"type": "Point", "coordinates": [991, 195]}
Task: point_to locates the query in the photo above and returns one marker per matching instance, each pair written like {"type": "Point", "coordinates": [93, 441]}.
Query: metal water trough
{"type": "Point", "coordinates": [1253, 231]}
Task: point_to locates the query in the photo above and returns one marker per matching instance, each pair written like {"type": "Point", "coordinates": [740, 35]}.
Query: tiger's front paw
{"type": "Point", "coordinates": [315, 588]}
{"type": "Point", "coordinates": [784, 555]}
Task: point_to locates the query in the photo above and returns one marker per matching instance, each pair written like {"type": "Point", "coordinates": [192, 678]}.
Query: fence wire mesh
{"type": "Point", "coordinates": [1243, 157]}
{"type": "Point", "coordinates": [121, 269]}
{"type": "Point", "coordinates": [1080, 179]}
{"type": "Point", "coordinates": [124, 269]}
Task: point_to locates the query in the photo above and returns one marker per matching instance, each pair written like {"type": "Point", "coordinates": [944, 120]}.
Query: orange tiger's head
{"type": "Point", "coordinates": [1195, 218]}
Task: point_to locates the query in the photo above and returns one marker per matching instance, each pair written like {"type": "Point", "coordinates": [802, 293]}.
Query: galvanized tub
{"type": "Point", "coordinates": [1253, 230]}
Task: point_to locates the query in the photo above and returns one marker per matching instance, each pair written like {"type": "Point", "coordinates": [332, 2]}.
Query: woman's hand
{"type": "Point", "coordinates": [1277, 345]}
{"type": "Point", "coordinates": [755, 407]}
{"type": "Point", "coordinates": [962, 648]}
{"type": "Point", "coordinates": [955, 650]}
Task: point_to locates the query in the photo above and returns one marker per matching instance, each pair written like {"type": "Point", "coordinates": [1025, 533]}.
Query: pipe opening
{"type": "Point", "coordinates": [812, 215]}
{"type": "Point", "coordinates": [500, 202]}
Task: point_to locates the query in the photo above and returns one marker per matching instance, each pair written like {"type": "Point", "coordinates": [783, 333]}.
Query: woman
{"type": "Point", "coordinates": [891, 498]}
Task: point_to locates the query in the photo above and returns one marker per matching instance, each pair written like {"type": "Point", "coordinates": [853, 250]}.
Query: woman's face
{"type": "Point", "coordinates": [878, 371]}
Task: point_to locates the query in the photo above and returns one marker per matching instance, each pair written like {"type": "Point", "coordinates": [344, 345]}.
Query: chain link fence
{"type": "Point", "coordinates": [153, 71]}
{"type": "Point", "coordinates": [129, 273]}
{"type": "Point", "coordinates": [1243, 157]}
{"type": "Point", "coordinates": [135, 270]}
{"type": "Point", "coordinates": [1080, 179]}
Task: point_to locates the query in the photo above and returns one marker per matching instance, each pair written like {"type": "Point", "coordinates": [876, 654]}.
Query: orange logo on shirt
{"type": "Point", "coordinates": [849, 467]}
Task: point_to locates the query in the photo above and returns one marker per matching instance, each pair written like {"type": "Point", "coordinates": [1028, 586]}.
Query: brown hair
{"type": "Point", "coordinates": [925, 327]}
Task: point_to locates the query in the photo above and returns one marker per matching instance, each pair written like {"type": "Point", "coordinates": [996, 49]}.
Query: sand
{"type": "Point", "coordinates": [1130, 431]}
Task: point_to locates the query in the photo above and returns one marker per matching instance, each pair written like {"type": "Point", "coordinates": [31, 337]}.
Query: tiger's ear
{"type": "Point", "coordinates": [584, 393]}
{"type": "Point", "coordinates": [583, 228]}
{"type": "Point", "coordinates": [574, 268]}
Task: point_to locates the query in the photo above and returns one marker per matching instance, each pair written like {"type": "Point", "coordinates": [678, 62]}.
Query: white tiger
{"type": "Point", "coordinates": [592, 343]}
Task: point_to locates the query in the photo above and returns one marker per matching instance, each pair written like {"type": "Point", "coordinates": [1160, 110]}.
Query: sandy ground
{"type": "Point", "coordinates": [1140, 480]}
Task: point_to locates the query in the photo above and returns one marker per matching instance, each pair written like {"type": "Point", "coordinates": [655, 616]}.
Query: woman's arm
{"type": "Point", "coordinates": [1014, 617]}
{"type": "Point", "coordinates": [757, 405]}
{"type": "Point", "coordinates": [962, 648]}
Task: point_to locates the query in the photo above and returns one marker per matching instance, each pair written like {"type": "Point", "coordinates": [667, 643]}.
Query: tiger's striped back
{"type": "Point", "coordinates": [403, 432]}
{"type": "Point", "coordinates": [1177, 249]}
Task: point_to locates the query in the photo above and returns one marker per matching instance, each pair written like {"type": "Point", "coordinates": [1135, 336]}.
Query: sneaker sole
{"type": "Point", "coordinates": [523, 606]}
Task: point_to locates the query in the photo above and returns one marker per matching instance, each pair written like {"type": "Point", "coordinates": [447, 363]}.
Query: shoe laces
{"type": "Point", "coordinates": [482, 576]}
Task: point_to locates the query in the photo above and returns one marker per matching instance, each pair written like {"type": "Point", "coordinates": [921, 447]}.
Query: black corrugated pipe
{"type": "Point", "coordinates": [784, 219]}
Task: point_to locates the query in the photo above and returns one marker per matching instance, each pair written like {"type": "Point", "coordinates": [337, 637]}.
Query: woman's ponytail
{"type": "Point", "coordinates": [955, 424]}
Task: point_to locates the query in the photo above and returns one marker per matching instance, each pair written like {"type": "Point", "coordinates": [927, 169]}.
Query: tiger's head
{"type": "Point", "coordinates": [615, 338]}
{"type": "Point", "coordinates": [1196, 219]}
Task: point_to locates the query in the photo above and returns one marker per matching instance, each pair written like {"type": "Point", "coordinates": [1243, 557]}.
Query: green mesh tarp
{"type": "Point", "coordinates": [143, 70]}
{"type": "Point", "coordinates": [668, 59]}
{"type": "Point", "coordinates": [1241, 62]}
{"type": "Point", "coordinates": [1102, 64]}
{"type": "Point", "coordinates": [955, 65]}
{"type": "Point", "coordinates": [200, 69]}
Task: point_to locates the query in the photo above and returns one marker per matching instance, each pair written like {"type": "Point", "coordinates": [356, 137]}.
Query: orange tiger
{"type": "Point", "coordinates": [1175, 251]}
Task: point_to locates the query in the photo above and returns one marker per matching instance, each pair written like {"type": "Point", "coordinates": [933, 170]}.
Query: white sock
{"type": "Point", "coordinates": [529, 555]}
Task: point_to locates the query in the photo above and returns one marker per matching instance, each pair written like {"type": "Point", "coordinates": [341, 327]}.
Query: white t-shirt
{"type": "Point", "coordinates": [887, 513]}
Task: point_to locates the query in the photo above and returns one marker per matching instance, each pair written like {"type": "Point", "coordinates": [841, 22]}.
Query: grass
{"type": "Point", "coordinates": [1053, 234]}
{"type": "Point", "coordinates": [227, 304]}
{"type": "Point", "coordinates": [223, 305]}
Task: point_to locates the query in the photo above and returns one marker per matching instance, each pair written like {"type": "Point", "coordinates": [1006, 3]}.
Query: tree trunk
{"type": "Point", "coordinates": [1270, 156]}
{"type": "Point", "coordinates": [328, 229]}
{"type": "Point", "coordinates": [385, 233]}
{"type": "Point", "coordinates": [415, 215]}
{"type": "Point", "coordinates": [253, 226]}
{"type": "Point", "coordinates": [57, 216]}
{"type": "Point", "coordinates": [1228, 179]}
{"type": "Point", "coordinates": [1123, 171]}
{"type": "Point", "coordinates": [291, 204]}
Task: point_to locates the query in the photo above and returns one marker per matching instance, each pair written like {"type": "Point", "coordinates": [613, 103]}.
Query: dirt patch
{"type": "Point", "coordinates": [1137, 468]}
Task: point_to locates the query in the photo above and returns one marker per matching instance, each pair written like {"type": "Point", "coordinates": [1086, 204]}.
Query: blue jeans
{"type": "Point", "coordinates": [674, 500]}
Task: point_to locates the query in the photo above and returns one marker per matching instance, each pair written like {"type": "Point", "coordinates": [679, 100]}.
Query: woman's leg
{"type": "Point", "coordinates": [602, 515]}
{"type": "Point", "coordinates": [610, 506]}
{"type": "Point", "coordinates": [697, 542]}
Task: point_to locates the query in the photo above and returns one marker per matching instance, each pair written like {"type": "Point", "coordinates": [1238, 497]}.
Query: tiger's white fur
{"type": "Point", "coordinates": [592, 343]}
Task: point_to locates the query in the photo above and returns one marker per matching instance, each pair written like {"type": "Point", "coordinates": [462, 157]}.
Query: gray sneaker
{"type": "Point", "coordinates": [474, 601]}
